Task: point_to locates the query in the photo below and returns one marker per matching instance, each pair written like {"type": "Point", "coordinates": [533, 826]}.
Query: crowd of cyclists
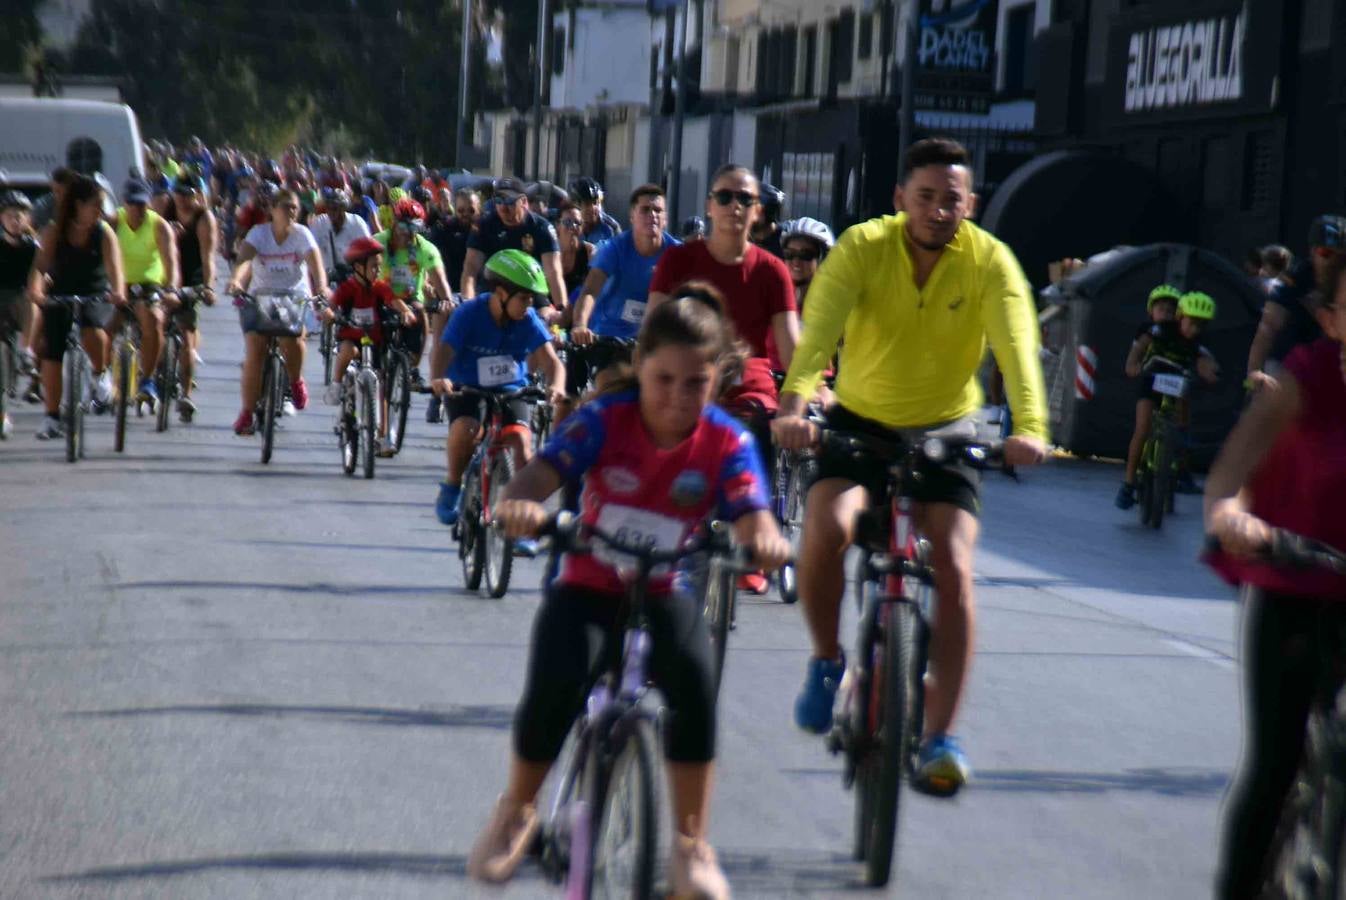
{"type": "Point", "coordinates": [674, 360]}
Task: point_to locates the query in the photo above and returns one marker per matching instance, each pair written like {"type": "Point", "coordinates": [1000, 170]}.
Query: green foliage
{"type": "Point", "coordinates": [20, 34]}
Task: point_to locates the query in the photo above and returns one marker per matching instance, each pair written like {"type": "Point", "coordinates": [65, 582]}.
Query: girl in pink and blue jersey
{"type": "Point", "coordinates": [658, 457]}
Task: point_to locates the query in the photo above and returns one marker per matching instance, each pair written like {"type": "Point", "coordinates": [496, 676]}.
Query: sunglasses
{"type": "Point", "coordinates": [804, 255]}
{"type": "Point", "coordinates": [725, 197]}
{"type": "Point", "coordinates": [571, 224]}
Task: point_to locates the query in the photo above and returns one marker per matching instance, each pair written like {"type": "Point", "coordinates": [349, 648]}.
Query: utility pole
{"type": "Point", "coordinates": [542, 32]}
{"type": "Point", "coordinates": [679, 114]}
{"type": "Point", "coordinates": [460, 137]}
{"type": "Point", "coordinates": [906, 131]}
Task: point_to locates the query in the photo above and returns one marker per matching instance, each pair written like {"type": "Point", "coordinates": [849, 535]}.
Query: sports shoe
{"type": "Point", "coordinates": [6, 427]}
{"type": "Point", "coordinates": [287, 407]}
{"type": "Point", "coordinates": [51, 429]}
{"type": "Point", "coordinates": [941, 766]}
{"type": "Point", "coordinates": [149, 391]}
{"type": "Point", "coordinates": [503, 843]}
{"type": "Point", "coordinates": [299, 391]}
{"type": "Point", "coordinates": [753, 582]}
{"type": "Point", "coordinates": [695, 872]}
{"type": "Point", "coordinates": [27, 362]}
{"type": "Point", "coordinates": [34, 392]}
{"type": "Point", "coordinates": [186, 409]}
{"type": "Point", "coordinates": [813, 706]}
{"type": "Point", "coordinates": [1186, 484]}
{"type": "Point", "coordinates": [433, 411]}
{"type": "Point", "coordinates": [1126, 496]}
{"type": "Point", "coordinates": [385, 448]}
{"type": "Point", "coordinates": [446, 506]}
{"type": "Point", "coordinates": [102, 388]}
{"type": "Point", "coordinates": [526, 547]}
{"type": "Point", "coordinates": [332, 394]}
{"type": "Point", "coordinates": [243, 424]}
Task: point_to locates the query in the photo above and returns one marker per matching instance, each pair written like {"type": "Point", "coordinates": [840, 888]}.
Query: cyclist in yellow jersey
{"type": "Point", "coordinates": [149, 258]}
{"type": "Point", "coordinates": [915, 296]}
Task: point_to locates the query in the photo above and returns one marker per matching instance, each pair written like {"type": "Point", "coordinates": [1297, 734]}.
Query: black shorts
{"type": "Point", "coordinates": [956, 483]}
{"type": "Point", "coordinates": [516, 412]}
{"type": "Point", "coordinates": [56, 322]}
{"type": "Point", "coordinates": [580, 364]}
{"type": "Point", "coordinates": [188, 315]}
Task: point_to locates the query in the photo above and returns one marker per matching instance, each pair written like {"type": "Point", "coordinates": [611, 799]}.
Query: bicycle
{"type": "Point", "coordinates": [1156, 476]}
{"type": "Point", "coordinates": [358, 421]}
{"type": "Point", "coordinates": [601, 831]}
{"type": "Point", "coordinates": [1307, 858]}
{"type": "Point", "coordinates": [126, 361]}
{"type": "Point", "coordinates": [795, 471]}
{"type": "Point", "coordinates": [168, 375]}
{"type": "Point", "coordinates": [77, 372]}
{"type": "Point", "coordinates": [482, 549]}
{"type": "Point", "coordinates": [327, 334]}
{"type": "Point", "coordinates": [881, 699]}
{"type": "Point", "coordinates": [10, 368]}
{"type": "Point", "coordinates": [274, 315]}
{"type": "Point", "coordinates": [395, 373]}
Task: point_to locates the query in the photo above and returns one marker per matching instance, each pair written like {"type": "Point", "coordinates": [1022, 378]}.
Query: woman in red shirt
{"type": "Point", "coordinates": [1283, 466]}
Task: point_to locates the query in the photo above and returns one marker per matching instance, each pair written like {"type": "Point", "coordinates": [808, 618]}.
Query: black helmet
{"type": "Point", "coordinates": [694, 226]}
{"type": "Point", "coordinates": [15, 200]}
{"type": "Point", "coordinates": [1328, 231]}
{"type": "Point", "coordinates": [421, 194]}
{"type": "Point", "coordinates": [773, 199]}
{"type": "Point", "coordinates": [586, 190]}
{"type": "Point", "coordinates": [266, 190]}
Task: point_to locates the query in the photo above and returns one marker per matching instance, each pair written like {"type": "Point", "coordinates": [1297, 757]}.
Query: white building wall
{"type": "Point", "coordinates": [610, 62]}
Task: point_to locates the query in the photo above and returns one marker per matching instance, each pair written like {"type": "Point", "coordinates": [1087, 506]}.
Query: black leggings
{"type": "Point", "coordinates": [567, 634]}
{"type": "Point", "coordinates": [1284, 666]}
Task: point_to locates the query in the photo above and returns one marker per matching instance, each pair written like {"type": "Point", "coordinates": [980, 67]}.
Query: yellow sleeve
{"type": "Point", "coordinates": [1011, 322]}
{"type": "Point", "coordinates": [831, 296]}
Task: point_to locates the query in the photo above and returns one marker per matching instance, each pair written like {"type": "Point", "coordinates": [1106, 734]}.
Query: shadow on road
{"type": "Point", "coordinates": [783, 873]}
{"type": "Point", "coordinates": [499, 718]}
{"type": "Point", "coordinates": [403, 863]}
{"type": "Point", "coordinates": [1173, 782]}
{"type": "Point", "coordinates": [312, 587]}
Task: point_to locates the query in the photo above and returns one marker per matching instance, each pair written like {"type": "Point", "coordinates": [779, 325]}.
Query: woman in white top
{"type": "Point", "coordinates": [278, 257]}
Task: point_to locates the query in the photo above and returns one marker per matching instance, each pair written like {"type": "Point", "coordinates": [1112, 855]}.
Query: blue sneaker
{"type": "Point", "coordinates": [1126, 496]}
{"type": "Point", "coordinates": [813, 706]}
{"type": "Point", "coordinates": [941, 767]}
{"type": "Point", "coordinates": [526, 547]}
{"type": "Point", "coordinates": [446, 506]}
{"type": "Point", "coordinates": [149, 392]}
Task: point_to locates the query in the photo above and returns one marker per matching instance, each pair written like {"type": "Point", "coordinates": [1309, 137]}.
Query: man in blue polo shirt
{"type": "Point", "coordinates": [486, 345]}
{"type": "Point", "coordinates": [616, 290]}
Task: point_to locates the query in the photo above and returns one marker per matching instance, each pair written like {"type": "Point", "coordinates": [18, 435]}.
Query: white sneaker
{"type": "Point", "coordinates": [51, 429]}
{"type": "Point", "coordinates": [102, 387]}
{"type": "Point", "coordinates": [6, 427]}
{"type": "Point", "coordinates": [332, 396]}
{"type": "Point", "coordinates": [287, 408]}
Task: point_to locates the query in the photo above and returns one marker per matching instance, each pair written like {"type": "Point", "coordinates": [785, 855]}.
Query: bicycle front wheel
{"type": "Point", "coordinates": [368, 425]}
{"type": "Point", "coordinates": [1161, 483]}
{"type": "Point", "coordinates": [7, 378]}
{"type": "Point", "coordinates": [72, 414]}
{"type": "Point", "coordinates": [471, 541]}
{"type": "Point", "coordinates": [168, 382]}
{"type": "Point", "coordinates": [716, 611]}
{"type": "Point", "coordinates": [398, 386]}
{"type": "Point", "coordinates": [125, 361]}
{"type": "Point", "coordinates": [273, 386]}
{"type": "Point", "coordinates": [622, 851]}
{"type": "Point", "coordinates": [345, 430]}
{"type": "Point", "coordinates": [499, 549]}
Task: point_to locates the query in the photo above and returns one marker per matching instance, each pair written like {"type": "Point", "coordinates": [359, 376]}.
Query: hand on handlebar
{"type": "Point", "coordinates": [581, 335]}
{"type": "Point", "coordinates": [1023, 450]}
{"type": "Point", "coordinates": [441, 386]}
{"type": "Point", "coordinates": [769, 550]}
{"type": "Point", "coordinates": [1240, 533]}
{"type": "Point", "coordinates": [520, 518]}
{"type": "Point", "coordinates": [1260, 381]}
{"type": "Point", "coordinates": [327, 314]}
{"type": "Point", "coordinates": [794, 432]}
{"type": "Point", "coordinates": [208, 295]}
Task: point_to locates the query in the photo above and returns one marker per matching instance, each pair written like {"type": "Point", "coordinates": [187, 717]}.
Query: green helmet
{"type": "Point", "coordinates": [516, 269]}
{"type": "Point", "coordinates": [1197, 305]}
{"type": "Point", "coordinates": [1163, 292]}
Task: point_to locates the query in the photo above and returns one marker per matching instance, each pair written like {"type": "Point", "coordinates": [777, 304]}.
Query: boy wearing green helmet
{"type": "Point", "coordinates": [1178, 343]}
{"type": "Point", "coordinates": [489, 343]}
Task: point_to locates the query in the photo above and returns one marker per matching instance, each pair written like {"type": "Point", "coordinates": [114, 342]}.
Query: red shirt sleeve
{"type": "Point", "coordinates": [670, 271]}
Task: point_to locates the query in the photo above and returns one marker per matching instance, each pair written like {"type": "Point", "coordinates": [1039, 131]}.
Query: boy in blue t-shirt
{"type": "Point", "coordinates": [489, 344]}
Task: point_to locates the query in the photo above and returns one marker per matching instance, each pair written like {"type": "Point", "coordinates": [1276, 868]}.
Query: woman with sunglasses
{"type": "Point", "coordinates": [576, 252]}
{"type": "Point", "coordinates": [804, 243]}
{"type": "Point", "coordinates": [279, 256]}
{"type": "Point", "coordinates": [759, 298]}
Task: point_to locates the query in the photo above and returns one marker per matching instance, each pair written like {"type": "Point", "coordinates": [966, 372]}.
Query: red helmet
{"type": "Point", "coordinates": [407, 209]}
{"type": "Point", "coordinates": [361, 249]}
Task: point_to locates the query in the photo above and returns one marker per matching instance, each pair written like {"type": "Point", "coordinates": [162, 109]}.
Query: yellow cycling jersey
{"type": "Point", "coordinates": [911, 355]}
{"type": "Point", "coordinates": [141, 261]}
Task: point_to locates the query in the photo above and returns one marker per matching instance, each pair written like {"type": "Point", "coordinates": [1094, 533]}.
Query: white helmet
{"type": "Point", "coordinates": [809, 228]}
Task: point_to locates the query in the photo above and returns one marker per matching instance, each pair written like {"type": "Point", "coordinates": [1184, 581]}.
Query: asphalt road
{"type": "Point", "coordinates": [224, 679]}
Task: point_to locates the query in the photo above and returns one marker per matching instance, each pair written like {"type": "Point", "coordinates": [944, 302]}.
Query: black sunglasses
{"type": "Point", "coordinates": [571, 224]}
{"type": "Point", "coordinates": [805, 255]}
{"type": "Point", "coordinates": [724, 197]}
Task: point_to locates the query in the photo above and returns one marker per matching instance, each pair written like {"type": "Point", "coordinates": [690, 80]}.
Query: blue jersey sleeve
{"type": "Point", "coordinates": [576, 443]}
{"type": "Point", "coordinates": [742, 480]}
{"type": "Point", "coordinates": [608, 260]}
{"type": "Point", "coordinates": [456, 330]}
{"type": "Point", "coordinates": [537, 334]}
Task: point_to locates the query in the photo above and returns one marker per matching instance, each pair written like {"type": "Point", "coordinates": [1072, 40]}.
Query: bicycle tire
{"type": "Point", "coordinates": [124, 363]}
{"type": "Point", "coordinates": [398, 386]}
{"type": "Point", "coordinates": [346, 432]}
{"type": "Point", "coordinates": [368, 426]}
{"type": "Point", "coordinates": [1162, 484]}
{"type": "Point", "coordinates": [716, 609]}
{"type": "Point", "coordinates": [471, 542]}
{"type": "Point", "coordinates": [499, 549]}
{"type": "Point", "coordinates": [168, 382]}
{"type": "Point", "coordinates": [325, 344]}
{"type": "Point", "coordinates": [894, 738]}
{"type": "Point", "coordinates": [70, 415]}
{"type": "Point", "coordinates": [624, 805]}
{"type": "Point", "coordinates": [271, 401]}
{"type": "Point", "coordinates": [8, 377]}
{"type": "Point", "coordinates": [795, 486]}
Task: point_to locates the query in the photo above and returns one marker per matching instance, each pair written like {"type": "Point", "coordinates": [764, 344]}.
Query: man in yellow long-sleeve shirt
{"type": "Point", "coordinates": [915, 297]}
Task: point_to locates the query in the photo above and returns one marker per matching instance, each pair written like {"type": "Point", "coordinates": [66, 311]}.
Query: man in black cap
{"type": "Point", "coordinates": [511, 225]}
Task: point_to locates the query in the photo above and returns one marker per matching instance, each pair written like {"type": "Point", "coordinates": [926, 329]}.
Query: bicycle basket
{"type": "Point", "coordinates": [273, 315]}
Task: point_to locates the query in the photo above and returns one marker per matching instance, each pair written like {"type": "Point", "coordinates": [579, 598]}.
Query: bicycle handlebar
{"type": "Point", "coordinates": [1287, 550]}
{"type": "Point", "coordinates": [979, 454]}
{"type": "Point", "coordinates": [600, 341]}
{"type": "Point", "coordinates": [525, 393]}
{"type": "Point", "coordinates": [1168, 363]}
{"type": "Point", "coordinates": [570, 535]}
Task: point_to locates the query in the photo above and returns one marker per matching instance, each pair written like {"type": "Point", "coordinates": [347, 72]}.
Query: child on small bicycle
{"type": "Point", "coordinates": [655, 456]}
{"type": "Point", "coordinates": [362, 298]}
{"type": "Point", "coordinates": [1177, 343]}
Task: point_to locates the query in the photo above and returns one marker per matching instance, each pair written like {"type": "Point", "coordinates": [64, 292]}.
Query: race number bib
{"type": "Point", "coordinates": [633, 311]}
{"type": "Point", "coordinates": [363, 316]}
{"type": "Point", "coordinates": [1171, 385]}
{"type": "Point", "coordinates": [403, 279]}
{"type": "Point", "coordinates": [637, 527]}
{"type": "Point", "coordinates": [494, 371]}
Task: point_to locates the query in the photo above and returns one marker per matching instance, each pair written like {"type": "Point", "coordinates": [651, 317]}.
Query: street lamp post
{"type": "Point", "coordinates": [460, 138]}
{"type": "Point", "coordinates": [679, 114]}
{"type": "Point", "coordinates": [542, 31]}
{"type": "Point", "coordinates": [906, 131]}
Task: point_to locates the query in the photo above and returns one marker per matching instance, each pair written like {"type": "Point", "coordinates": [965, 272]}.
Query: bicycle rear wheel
{"type": "Point", "coordinates": [398, 387]}
{"type": "Point", "coordinates": [125, 361]}
{"type": "Point", "coordinates": [345, 430]}
{"type": "Point", "coordinates": [168, 381]}
{"type": "Point", "coordinates": [892, 702]}
{"type": "Point", "coordinates": [499, 548]}
{"type": "Point", "coordinates": [325, 343]}
{"type": "Point", "coordinates": [72, 418]}
{"type": "Point", "coordinates": [625, 820]}
{"type": "Point", "coordinates": [368, 424]}
{"type": "Point", "coordinates": [795, 483]}
{"type": "Point", "coordinates": [273, 384]}
{"type": "Point", "coordinates": [471, 541]}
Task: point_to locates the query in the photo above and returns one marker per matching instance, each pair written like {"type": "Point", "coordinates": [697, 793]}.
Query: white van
{"type": "Point", "coordinates": [39, 134]}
